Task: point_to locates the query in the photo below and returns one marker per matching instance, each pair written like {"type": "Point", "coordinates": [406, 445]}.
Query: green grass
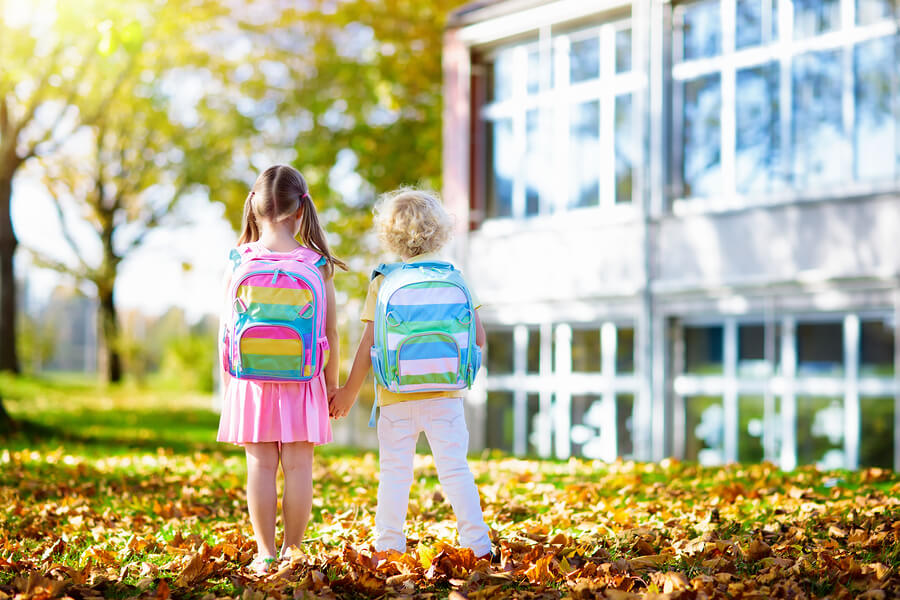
{"type": "Point", "coordinates": [103, 466]}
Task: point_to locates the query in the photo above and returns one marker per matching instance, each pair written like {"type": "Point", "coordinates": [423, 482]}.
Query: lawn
{"type": "Point", "coordinates": [123, 493]}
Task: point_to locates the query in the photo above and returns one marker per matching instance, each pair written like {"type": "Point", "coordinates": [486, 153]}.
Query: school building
{"type": "Point", "coordinates": [683, 222]}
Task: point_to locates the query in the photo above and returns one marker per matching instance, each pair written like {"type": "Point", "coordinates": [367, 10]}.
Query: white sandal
{"type": "Point", "coordinates": [262, 565]}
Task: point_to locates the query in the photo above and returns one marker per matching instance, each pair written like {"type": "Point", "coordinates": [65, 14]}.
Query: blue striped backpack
{"type": "Point", "coordinates": [424, 329]}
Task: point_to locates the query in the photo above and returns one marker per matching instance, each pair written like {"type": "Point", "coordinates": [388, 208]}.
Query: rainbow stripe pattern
{"type": "Point", "coordinates": [276, 328]}
{"type": "Point", "coordinates": [424, 329]}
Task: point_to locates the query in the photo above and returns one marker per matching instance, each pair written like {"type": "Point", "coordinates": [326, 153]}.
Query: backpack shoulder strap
{"type": "Point", "coordinates": [385, 269]}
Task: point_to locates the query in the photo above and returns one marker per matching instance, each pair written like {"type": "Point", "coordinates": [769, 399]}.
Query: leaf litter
{"type": "Point", "coordinates": [164, 525]}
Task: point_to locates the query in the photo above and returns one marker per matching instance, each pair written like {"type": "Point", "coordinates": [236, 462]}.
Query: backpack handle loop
{"type": "Point", "coordinates": [392, 319]}
{"type": "Point", "coordinates": [306, 311]}
{"type": "Point", "coordinates": [431, 264]}
{"type": "Point", "coordinates": [466, 317]}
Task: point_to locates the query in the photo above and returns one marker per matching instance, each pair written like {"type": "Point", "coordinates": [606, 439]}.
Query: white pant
{"type": "Point", "coordinates": [444, 424]}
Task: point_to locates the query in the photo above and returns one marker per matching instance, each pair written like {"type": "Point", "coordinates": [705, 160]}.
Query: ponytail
{"type": "Point", "coordinates": [249, 227]}
{"type": "Point", "coordinates": [313, 236]}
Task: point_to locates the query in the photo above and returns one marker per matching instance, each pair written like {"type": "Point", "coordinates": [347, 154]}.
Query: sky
{"type": "Point", "coordinates": [152, 279]}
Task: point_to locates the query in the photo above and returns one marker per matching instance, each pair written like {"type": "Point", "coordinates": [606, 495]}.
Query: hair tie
{"type": "Point", "coordinates": [305, 195]}
{"type": "Point", "coordinates": [251, 193]}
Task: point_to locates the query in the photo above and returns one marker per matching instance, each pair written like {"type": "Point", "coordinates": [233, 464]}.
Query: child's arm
{"type": "Point", "coordinates": [332, 373]}
{"type": "Point", "coordinates": [345, 397]}
{"type": "Point", "coordinates": [480, 335]}
{"type": "Point", "coordinates": [223, 316]}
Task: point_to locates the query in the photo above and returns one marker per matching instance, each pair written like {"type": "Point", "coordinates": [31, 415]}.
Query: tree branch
{"type": "Point", "coordinates": [67, 233]}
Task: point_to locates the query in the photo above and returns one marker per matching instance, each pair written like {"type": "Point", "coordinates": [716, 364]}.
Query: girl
{"type": "Point", "coordinates": [281, 421]}
{"type": "Point", "coordinates": [414, 225]}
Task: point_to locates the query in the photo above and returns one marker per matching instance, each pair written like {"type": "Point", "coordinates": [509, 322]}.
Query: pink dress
{"type": "Point", "coordinates": [263, 411]}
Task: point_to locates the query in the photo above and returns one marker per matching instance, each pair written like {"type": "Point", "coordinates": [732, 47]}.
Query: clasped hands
{"type": "Point", "coordinates": [340, 401]}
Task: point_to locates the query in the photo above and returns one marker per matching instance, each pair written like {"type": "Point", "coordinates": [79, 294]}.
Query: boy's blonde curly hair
{"type": "Point", "coordinates": [412, 222]}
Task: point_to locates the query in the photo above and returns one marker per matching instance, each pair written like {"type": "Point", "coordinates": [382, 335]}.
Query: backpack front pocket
{"type": "Point", "coordinates": [272, 352]}
{"type": "Point", "coordinates": [428, 361]}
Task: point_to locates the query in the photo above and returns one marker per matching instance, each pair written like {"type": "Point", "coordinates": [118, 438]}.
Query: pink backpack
{"type": "Point", "coordinates": [276, 327]}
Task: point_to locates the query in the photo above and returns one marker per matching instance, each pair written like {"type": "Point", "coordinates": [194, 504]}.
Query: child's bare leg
{"type": "Point", "coordinates": [262, 466]}
{"type": "Point", "coordinates": [296, 505]}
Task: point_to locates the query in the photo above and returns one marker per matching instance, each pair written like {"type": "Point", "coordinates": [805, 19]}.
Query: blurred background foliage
{"type": "Point", "coordinates": [126, 109]}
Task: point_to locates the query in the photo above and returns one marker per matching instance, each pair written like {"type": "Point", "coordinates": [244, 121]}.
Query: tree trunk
{"type": "Point", "coordinates": [8, 359]}
{"type": "Point", "coordinates": [109, 327]}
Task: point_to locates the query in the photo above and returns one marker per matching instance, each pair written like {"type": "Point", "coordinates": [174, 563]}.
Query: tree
{"type": "Point", "coordinates": [358, 83]}
{"type": "Point", "coordinates": [133, 163]}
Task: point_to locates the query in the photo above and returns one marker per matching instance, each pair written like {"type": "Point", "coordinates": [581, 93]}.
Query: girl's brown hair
{"type": "Point", "coordinates": [279, 192]}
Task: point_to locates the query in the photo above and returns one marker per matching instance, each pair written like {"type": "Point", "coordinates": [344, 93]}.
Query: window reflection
{"type": "Point", "coordinates": [705, 428]}
{"type": "Point", "coordinates": [533, 353]}
{"type": "Point", "coordinates": [752, 360]}
{"type": "Point", "coordinates": [702, 30]}
{"type": "Point", "coordinates": [499, 425]}
{"type": "Point", "coordinates": [876, 439]}
{"type": "Point", "coordinates": [624, 350]}
{"type": "Point", "coordinates": [703, 350]}
{"type": "Point", "coordinates": [625, 425]}
{"type": "Point", "coordinates": [876, 355]}
{"type": "Point", "coordinates": [756, 23]}
{"type": "Point", "coordinates": [586, 352]}
{"type": "Point", "coordinates": [502, 72]}
{"type": "Point", "coordinates": [584, 154]}
{"type": "Point", "coordinates": [820, 432]}
{"type": "Point", "coordinates": [623, 50]}
{"type": "Point", "coordinates": [702, 136]}
{"type": "Point", "coordinates": [500, 351]}
{"type": "Point", "coordinates": [812, 17]}
{"type": "Point", "coordinates": [536, 159]}
{"type": "Point", "coordinates": [876, 126]}
{"type": "Point", "coordinates": [589, 422]}
{"type": "Point", "coordinates": [533, 75]}
{"type": "Point", "coordinates": [819, 145]}
{"type": "Point", "coordinates": [501, 151]}
{"type": "Point", "coordinates": [626, 150]}
{"type": "Point", "coordinates": [757, 155]}
{"type": "Point", "coordinates": [820, 348]}
{"type": "Point", "coordinates": [584, 59]}
{"type": "Point", "coordinates": [871, 11]}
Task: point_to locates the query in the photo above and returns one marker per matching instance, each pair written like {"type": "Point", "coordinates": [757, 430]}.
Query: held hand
{"type": "Point", "coordinates": [340, 404]}
{"type": "Point", "coordinates": [331, 389]}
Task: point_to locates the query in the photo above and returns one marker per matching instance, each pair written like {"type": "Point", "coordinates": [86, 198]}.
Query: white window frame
{"type": "Point", "coordinates": [560, 97]}
{"type": "Point", "coordinates": [787, 385]}
{"type": "Point", "coordinates": [780, 52]}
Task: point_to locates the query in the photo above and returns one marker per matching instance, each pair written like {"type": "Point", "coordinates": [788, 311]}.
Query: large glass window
{"type": "Point", "coordinates": [778, 111]}
{"type": "Point", "coordinates": [562, 111]}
